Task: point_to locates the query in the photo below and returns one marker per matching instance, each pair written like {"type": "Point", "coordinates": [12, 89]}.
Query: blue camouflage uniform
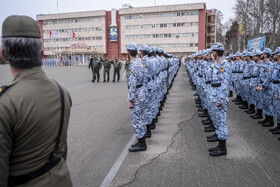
{"type": "Point", "coordinates": [136, 94]}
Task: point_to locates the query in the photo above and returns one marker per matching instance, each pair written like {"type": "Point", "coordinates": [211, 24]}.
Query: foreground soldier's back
{"type": "Point", "coordinates": [31, 109]}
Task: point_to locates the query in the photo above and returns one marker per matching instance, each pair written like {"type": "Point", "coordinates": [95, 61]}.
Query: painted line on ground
{"type": "Point", "coordinates": [83, 85]}
{"type": "Point", "coordinates": [114, 170]}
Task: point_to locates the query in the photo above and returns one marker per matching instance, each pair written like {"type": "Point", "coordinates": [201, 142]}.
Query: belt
{"type": "Point", "coordinates": [275, 82]}
{"type": "Point", "coordinates": [18, 180]}
{"type": "Point", "coordinates": [235, 72]}
{"type": "Point", "coordinates": [208, 82]}
{"type": "Point", "coordinates": [246, 78]}
{"type": "Point", "coordinates": [215, 85]}
{"type": "Point", "coordinates": [255, 76]}
{"type": "Point", "coordinates": [138, 86]}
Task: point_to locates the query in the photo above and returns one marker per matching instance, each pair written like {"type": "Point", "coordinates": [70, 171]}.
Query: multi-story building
{"type": "Point", "coordinates": [179, 29]}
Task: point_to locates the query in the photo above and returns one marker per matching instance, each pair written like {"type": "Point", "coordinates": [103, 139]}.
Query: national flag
{"type": "Point", "coordinates": [50, 33]}
{"type": "Point", "coordinates": [74, 35]}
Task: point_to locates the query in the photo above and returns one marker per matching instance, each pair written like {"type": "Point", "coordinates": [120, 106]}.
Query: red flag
{"type": "Point", "coordinates": [50, 33]}
{"type": "Point", "coordinates": [60, 58]}
{"type": "Point", "coordinates": [74, 35]}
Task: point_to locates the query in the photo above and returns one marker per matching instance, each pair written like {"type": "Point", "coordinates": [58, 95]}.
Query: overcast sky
{"type": "Point", "coordinates": [34, 7]}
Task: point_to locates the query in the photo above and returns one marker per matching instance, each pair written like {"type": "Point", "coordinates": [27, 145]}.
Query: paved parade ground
{"type": "Point", "coordinates": [100, 131]}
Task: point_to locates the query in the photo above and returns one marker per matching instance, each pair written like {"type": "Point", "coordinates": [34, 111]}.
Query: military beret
{"type": "Point", "coordinates": [20, 26]}
{"type": "Point", "coordinates": [132, 47]}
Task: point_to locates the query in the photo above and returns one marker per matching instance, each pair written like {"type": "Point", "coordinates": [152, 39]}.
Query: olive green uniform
{"type": "Point", "coordinates": [117, 68]}
{"type": "Point", "coordinates": [29, 123]}
{"type": "Point", "coordinates": [106, 70]}
{"type": "Point", "coordinates": [95, 66]}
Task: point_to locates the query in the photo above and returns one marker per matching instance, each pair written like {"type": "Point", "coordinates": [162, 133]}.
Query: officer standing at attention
{"type": "Point", "coordinates": [95, 66]}
{"type": "Point", "coordinates": [219, 84]}
{"type": "Point", "coordinates": [117, 68]}
{"type": "Point", "coordinates": [106, 70]}
{"type": "Point", "coordinates": [33, 131]}
{"type": "Point", "coordinates": [136, 99]}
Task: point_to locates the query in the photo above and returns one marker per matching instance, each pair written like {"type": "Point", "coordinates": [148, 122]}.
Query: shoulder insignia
{"type": "Point", "coordinates": [144, 64]}
{"type": "Point", "coordinates": [222, 70]}
{"type": "Point", "coordinates": [3, 89]}
{"type": "Point", "coordinates": [267, 69]}
{"type": "Point", "coordinates": [267, 62]}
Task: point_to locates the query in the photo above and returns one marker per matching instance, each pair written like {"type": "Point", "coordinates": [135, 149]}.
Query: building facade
{"type": "Point", "coordinates": [179, 29]}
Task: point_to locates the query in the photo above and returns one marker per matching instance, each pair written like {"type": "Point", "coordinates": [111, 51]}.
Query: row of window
{"type": "Point", "coordinates": [149, 26]}
{"type": "Point", "coordinates": [73, 39]}
{"type": "Point", "coordinates": [195, 34]}
{"type": "Point", "coordinates": [87, 29]}
{"type": "Point", "coordinates": [98, 47]}
{"type": "Point", "coordinates": [167, 14]}
{"type": "Point", "coordinates": [172, 45]}
{"type": "Point", "coordinates": [75, 20]}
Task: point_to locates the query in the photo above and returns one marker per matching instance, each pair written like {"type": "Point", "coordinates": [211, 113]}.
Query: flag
{"type": "Point", "coordinates": [240, 31]}
{"type": "Point", "coordinates": [50, 33]}
{"type": "Point", "coordinates": [74, 35]}
{"type": "Point", "coordinates": [60, 58]}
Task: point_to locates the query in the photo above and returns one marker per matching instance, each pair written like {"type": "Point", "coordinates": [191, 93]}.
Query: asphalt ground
{"type": "Point", "coordinates": [100, 130]}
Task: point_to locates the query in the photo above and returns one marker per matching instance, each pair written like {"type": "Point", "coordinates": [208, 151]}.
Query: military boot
{"type": "Point", "coordinates": [148, 133]}
{"type": "Point", "coordinates": [220, 150]}
{"type": "Point", "coordinates": [269, 123]}
{"type": "Point", "coordinates": [244, 106]}
{"type": "Point", "coordinates": [158, 114]}
{"type": "Point", "coordinates": [258, 115]}
{"type": "Point", "coordinates": [153, 124]}
{"type": "Point", "coordinates": [210, 128]}
{"type": "Point", "coordinates": [275, 128]}
{"type": "Point", "coordinates": [195, 94]}
{"type": "Point", "coordinates": [230, 94]}
{"type": "Point", "coordinates": [251, 110]}
{"type": "Point", "coordinates": [237, 99]}
{"type": "Point", "coordinates": [204, 114]}
{"type": "Point", "coordinates": [212, 138]}
{"type": "Point", "coordinates": [240, 102]}
{"type": "Point", "coordinates": [193, 88]}
{"type": "Point", "coordinates": [139, 146]}
{"type": "Point", "coordinates": [264, 121]}
{"type": "Point", "coordinates": [201, 110]}
{"type": "Point", "coordinates": [206, 119]}
{"type": "Point", "coordinates": [208, 122]}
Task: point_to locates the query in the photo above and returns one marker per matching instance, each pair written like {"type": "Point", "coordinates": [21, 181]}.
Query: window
{"type": "Point", "coordinates": [182, 13]}
{"type": "Point", "coordinates": [178, 14]}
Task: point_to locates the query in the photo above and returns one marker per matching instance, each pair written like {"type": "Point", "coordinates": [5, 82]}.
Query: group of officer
{"type": "Point", "coordinates": [255, 77]}
{"type": "Point", "coordinates": [149, 78]}
{"type": "Point", "coordinates": [96, 64]}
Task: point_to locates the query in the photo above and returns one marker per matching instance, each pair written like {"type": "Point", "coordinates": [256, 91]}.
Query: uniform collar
{"type": "Point", "coordinates": [29, 73]}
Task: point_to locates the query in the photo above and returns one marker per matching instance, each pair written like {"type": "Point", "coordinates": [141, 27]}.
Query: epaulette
{"type": "Point", "coordinates": [3, 89]}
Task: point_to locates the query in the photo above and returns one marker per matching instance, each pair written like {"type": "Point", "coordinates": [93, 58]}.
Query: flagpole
{"type": "Point", "coordinates": [59, 54]}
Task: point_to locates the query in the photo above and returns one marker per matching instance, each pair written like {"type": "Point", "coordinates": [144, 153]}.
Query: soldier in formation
{"type": "Point", "coordinates": [255, 79]}
{"type": "Point", "coordinates": [147, 88]}
{"type": "Point", "coordinates": [95, 66]}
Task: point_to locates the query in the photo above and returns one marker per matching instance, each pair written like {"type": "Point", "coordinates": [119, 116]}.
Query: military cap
{"type": "Point", "coordinates": [132, 47]}
{"type": "Point", "coordinates": [219, 47]}
{"type": "Point", "coordinates": [155, 49]}
{"type": "Point", "coordinates": [161, 50]}
{"type": "Point", "coordinates": [20, 26]}
{"type": "Point", "coordinates": [144, 47]}
{"type": "Point", "coordinates": [277, 50]}
{"type": "Point", "coordinates": [244, 53]}
{"type": "Point", "coordinates": [238, 54]}
{"type": "Point", "coordinates": [267, 50]}
{"type": "Point", "coordinates": [257, 53]}
{"type": "Point", "coordinates": [249, 54]}
{"type": "Point", "coordinates": [231, 56]}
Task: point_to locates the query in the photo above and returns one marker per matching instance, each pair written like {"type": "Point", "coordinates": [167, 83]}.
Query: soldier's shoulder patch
{"type": "Point", "coordinates": [3, 89]}
{"type": "Point", "coordinates": [267, 62]}
{"type": "Point", "coordinates": [267, 69]}
{"type": "Point", "coordinates": [222, 70]}
{"type": "Point", "coordinates": [144, 64]}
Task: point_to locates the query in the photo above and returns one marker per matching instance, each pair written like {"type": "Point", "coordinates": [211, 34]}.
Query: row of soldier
{"type": "Point", "coordinates": [149, 78]}
{"type": "Point", "coordinates": [253, 76]}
